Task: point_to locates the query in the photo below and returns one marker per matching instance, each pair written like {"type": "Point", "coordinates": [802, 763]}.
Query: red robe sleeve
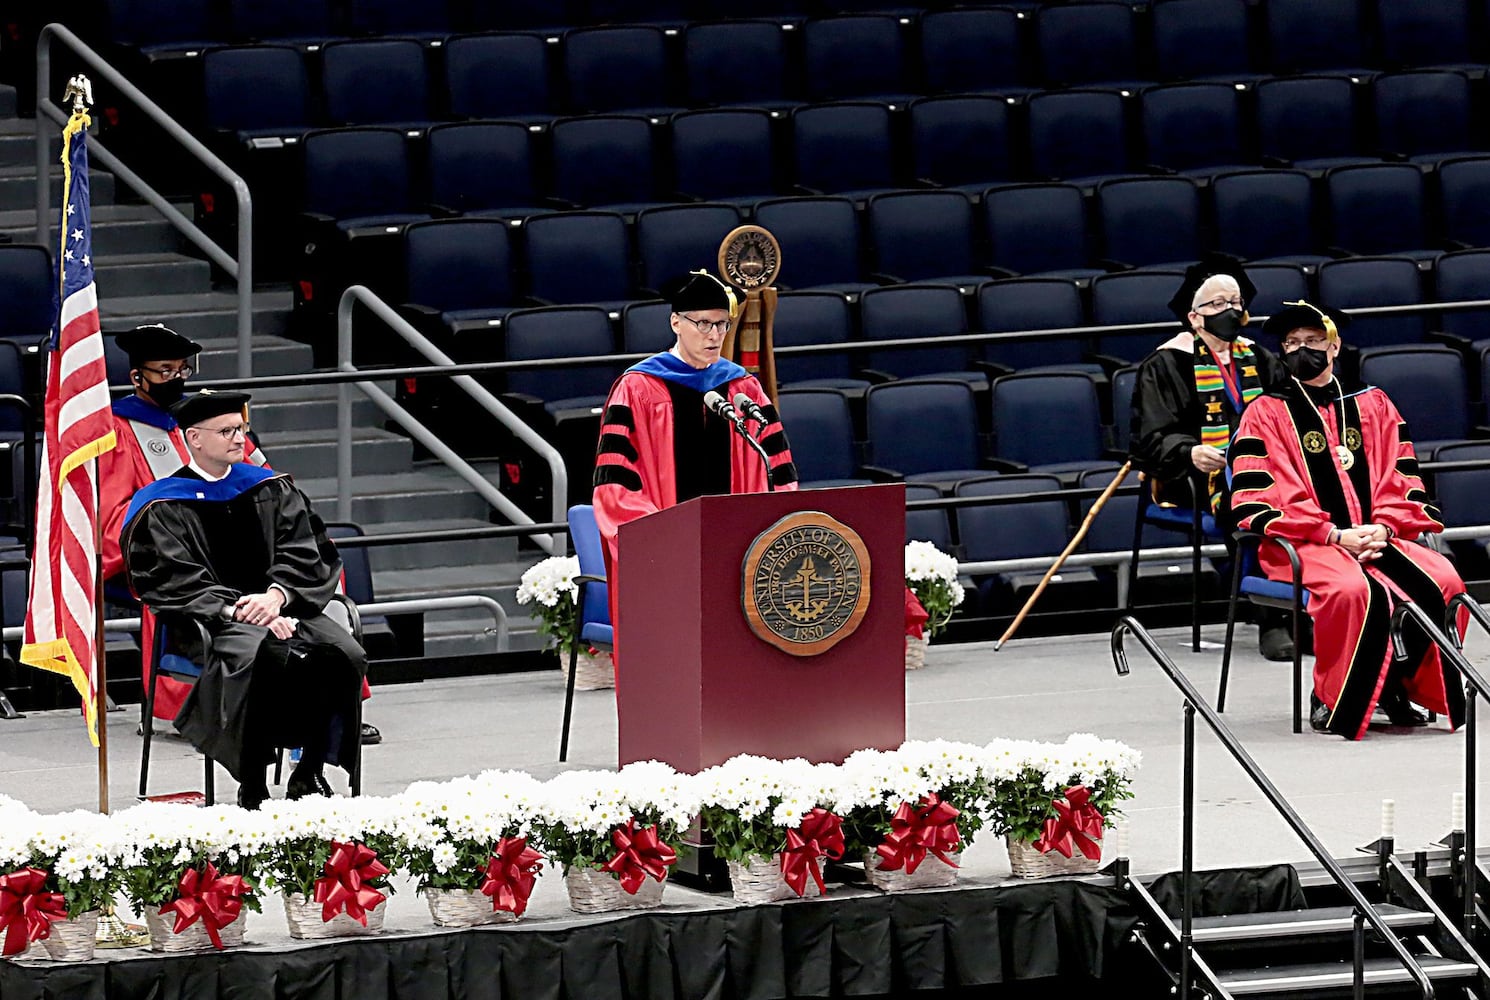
{"type": "Point", "coordinates": [1398, 499]}
{"type": "Point", "coordinates": [121, 471]}
{"type": "Point", "coordinates": [749, 475]}
{"type": "Point", "coordinates": [1270, 483]}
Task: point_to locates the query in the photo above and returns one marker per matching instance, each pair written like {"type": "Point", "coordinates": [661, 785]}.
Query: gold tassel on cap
{"type": "Point", "coordinates": [1329, 325]}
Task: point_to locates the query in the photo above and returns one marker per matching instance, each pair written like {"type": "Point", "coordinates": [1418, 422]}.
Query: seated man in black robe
{"type": "Point", "coordinates": [237, 548]}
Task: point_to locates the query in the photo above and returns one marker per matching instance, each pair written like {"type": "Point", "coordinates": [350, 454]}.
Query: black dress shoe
{"type": "Point", "coordinates": [1319, 714]}
{"type": "Point", "coordinates": [370, 735]}
{"type": "Point", "coordinates": [301, 785]}
{"type": "Point", "coordinates": [1275, 644]}
{"type": "Point", "coordinates": [1399, 710]}
{"type": "Point", "coordinates": [252, 796]}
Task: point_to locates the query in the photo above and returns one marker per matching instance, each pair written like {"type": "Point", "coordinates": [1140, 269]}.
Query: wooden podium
{"type": "Point", "coordinates": [697, 685]}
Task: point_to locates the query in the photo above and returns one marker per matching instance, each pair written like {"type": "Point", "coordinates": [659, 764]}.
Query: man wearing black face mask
{"type": "Point", "coordinates": [1191, 392]}
{"type": "Point", "coordinates": [1330, 468]}
{"type": "Point", "coordinates": [150, 446]}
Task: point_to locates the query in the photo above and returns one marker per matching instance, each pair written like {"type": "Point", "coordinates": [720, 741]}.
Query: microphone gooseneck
{"type": "Point", "coordinates": [717, 404]}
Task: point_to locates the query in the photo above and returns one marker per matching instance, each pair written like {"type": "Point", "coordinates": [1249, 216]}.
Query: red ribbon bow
{"type": "Point", "coordinates": [509, 876]}
{"type": "Point", "coordinates": [819, 836]}
{"type": "Point", "coordinates": [27, 909]}
{"type": "Point", "coordinates": [916, 615]}
{"type": "Point", "coordinates": [204, 895]}
{"type": "Point", "coordinates": [915, 832]}
{"type": "Point", "coordinates": [1076, 825]}
{"type": "Point", "coordinates": [639, 853]}
{"type": "Point", "coordinates": [345, 886]}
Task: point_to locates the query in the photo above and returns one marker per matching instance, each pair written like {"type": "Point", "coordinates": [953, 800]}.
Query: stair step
{"type": "Point", "coordinates": [398, 585]}
{"type": "Point", "coordinates": [409, 496]}
{"type": "Point", "coordinates": [204, 316]}
{"type": "Point", "coordinates": [18, 187]}
{"type": "Point", "coordinates": [271, 356]}
{"type": "Point", "coordinates": [18, 149]}
{"type": "Point", "coordinates": [1339, 975]}
{"type": "Point", "coordinates": [276, 415]}
{"type": "Point", "coordinates": [152, 273]}
{"type": "Point", "coordinates": [1324, 920]}
{"type": "Point", "coordinates": [435, 554]}
{"type": "Point", "coordinates": [312, 454]}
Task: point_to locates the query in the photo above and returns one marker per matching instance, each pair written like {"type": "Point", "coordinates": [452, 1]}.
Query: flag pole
{"type": "Point", "coordinates": [100, 662]}
{"type": "Point", "coordinates": [1060, 559]}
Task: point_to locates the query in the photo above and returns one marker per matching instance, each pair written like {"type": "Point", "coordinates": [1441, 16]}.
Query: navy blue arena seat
{"type": "Point", "coordinates": [1176, 24]}
{"type": "Point", "coordinates": [1020, 304]}
{"type": "Point", "coordinates": [844, 149]}
{"type": "Point", "coordinates": [1266, 215]}
{"type": "Point", "coordinates": [899, 312]}
{"type": "Point", "coordinates": [499, 76]}
{"type": "Point", "coordinates": [1173, 139]}
{"type": "Point", "coordinates": [630, 178]}
{"type": "Point", "coordinates": [483, 168]}
{"type": "Point", "coordinates": [1038, 229]}
{"type": "Point", "coordinates": [924, 236]}
{"type": "Point", "coordinates": [1090, 44]}
{"type": "Point", "coordinates": [579, 257]}
{"type": "Point", "coordinates": [946, 446]}
{"type": "Point", "coordinates": [674, 239]}
{"type": "Point", "coordinates": [819, 242]}
{"type": "Point", "coordinates": [619, 69]}
{"type": "Point", "coordinates": [856, 57]}
{"type": "Point", "coordinates": [975, 50]}
{"type": "Point", "coordinates": [822, 432]}
{"type": "Point", "coordinates": [1375, 281]}
{"type": "Point", "coordinates": [821, 317]}
{"type": "Point", "coordinates": [738, 63]}
{"type": "Point", "coordinates": [726, 154]}
{"type": "Point", "coordinates": [1150, 221]}
{"type": "Point", "coordinates": [1309, 122]}
{"type": "Point", "coordinates": [1077, 135]}
{"type": "Point", "coordinates": [962, 141]}
{"type": "Point", "coordinates": [375, 82]}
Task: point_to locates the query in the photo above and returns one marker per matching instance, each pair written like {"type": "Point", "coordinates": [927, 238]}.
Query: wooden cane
{"type": "Point", "coordinates": [1060, 559]}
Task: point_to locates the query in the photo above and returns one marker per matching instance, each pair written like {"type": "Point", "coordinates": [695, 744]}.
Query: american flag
{"type": "Point", "coordinates": [60, 616]}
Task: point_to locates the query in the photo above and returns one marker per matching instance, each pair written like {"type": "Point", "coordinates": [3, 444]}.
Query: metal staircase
{"type": "Point", "coordinates": [1366, 931]}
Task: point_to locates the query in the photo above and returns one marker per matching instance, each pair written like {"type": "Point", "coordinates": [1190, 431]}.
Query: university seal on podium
{"type": "Point", "coordinates": [750, 258]}
{"type": "Point", "coordinates": [805, 583]}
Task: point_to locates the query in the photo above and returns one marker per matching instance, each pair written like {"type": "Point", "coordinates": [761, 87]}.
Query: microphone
{"type": "Point", "coordinates": [751, 409]}
{"type": "Point", "coordinates": [720, 406]}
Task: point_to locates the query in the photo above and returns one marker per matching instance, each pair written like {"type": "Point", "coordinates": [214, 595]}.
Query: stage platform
{"type": "Point", "coordinates": [1033, 689]}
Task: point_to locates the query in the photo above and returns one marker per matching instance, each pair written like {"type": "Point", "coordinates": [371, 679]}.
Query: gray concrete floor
{"type": "Point", "coordinates": [1033, 689]}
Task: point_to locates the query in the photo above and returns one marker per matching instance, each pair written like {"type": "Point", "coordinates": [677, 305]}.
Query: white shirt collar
{"type": "Point", "coordinates": [192, 464]}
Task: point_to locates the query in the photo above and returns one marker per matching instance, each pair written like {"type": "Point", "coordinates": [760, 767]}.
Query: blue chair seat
{"type": "Point", "coordinates": [596, 633]}
{"type": "Point", "coordinates": [1273, 590]}
{"type": "Point", "coordinates": [1180, 519]}
{"type": "Point", "coordinates": [179, 666]}
{"type": "Point", "coordinates": [557, 406]}
{"type": "Point", "coordinates": [370, 221]}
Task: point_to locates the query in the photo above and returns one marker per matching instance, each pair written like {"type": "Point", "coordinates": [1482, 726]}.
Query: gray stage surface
{"type": "Point", "coordinates": [1033, 689]}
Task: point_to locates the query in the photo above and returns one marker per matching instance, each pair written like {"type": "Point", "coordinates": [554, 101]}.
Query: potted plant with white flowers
{"type": "Point", "coordinates": [911, 812]}
{"type": "Point", "coordinates": [188, 871]}
{"type": "Point", "coordinates": [467, 844]}
{"type": "Point", "coordinates": [60, 872]}
{"type": "Point", "coordinates": [931, 575]}
{"type": "Point", "coordinates": [330, 859]}
{"type": "Point", "coordinates": [550, 587]}
{"type": "Point", "coordinates": [1052, 801]}
{"type": "Point", "coordinates": [772, 822]}
{"type": "Point", "coordinates": [615, 833]}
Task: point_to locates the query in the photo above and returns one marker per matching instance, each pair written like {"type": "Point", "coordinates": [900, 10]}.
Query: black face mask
{"type": "Point", "coordinates": [1307, 363]}
{"type": "Point", "coordinates": [163, 394]}
{"type": "Point", "coordinates": [1226, 325]}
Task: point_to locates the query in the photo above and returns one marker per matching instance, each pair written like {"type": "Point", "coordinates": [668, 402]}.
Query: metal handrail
{"type": "Point", "coordinates": [554, 544]}
{"type": "Point", "coordinates": [239, 268]}
{"type": "Point", "coordinates": [858, 346]}
{"type": "Point", "coordinates": [1451, 650]}
{"type": "Point", "coordinates": [453, 602]}
{"type": "Point", "coordinates": [1365, 913]}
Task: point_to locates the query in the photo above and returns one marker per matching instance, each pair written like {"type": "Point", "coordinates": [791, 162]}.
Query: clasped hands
{"type": "Point", "coordinates": [1364, 541]}
{"type": "Point", "coordinates": [264, 609]}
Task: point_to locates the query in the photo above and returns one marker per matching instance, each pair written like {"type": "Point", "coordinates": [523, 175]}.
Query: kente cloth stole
{"type": "Point", "coordinates": [1211, 389]}
{"type": "Point", "coordinates": [1213, 392]}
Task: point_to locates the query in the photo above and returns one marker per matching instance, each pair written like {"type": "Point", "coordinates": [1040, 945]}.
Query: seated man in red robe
{"type": "Point", "coordinates": [1330, 468]}
{"type": "Point", "coordinates": [660, 444]}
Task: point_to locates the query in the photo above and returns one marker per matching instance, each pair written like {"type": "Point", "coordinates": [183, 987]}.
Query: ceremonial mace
{"type": "Point", "coordinates": [750, 259]}
{"type": "Point", "coordinates": [1086, 524]}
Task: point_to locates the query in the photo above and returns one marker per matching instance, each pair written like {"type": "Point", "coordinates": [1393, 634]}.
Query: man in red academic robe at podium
{"type": "Point", "coordinates": [1330, 468]}
{"type": "Point", "coordinates": [661, 444]}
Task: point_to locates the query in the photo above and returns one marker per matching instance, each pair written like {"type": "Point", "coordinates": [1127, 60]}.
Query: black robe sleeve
{"type": "Point", "coordinates": [1166, 415]}
{"type": "Point", "coordinates": [304, 562]}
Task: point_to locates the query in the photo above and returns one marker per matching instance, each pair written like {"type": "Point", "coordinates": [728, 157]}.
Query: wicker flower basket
{"type": "Point", "coordinates": [194, 938]}
{"type": "Point", "coordinates": [592, 671]}
{"type": "Point", "coordinates": [932, 873]}
{"type": "Point", "coordinates": [1026, 862]}
{"type": "Point", "coordinates": [915, 652]}
{"type": "Point", "coordinates": [595, 891]}
{"type": "Point", "coordinates": [464, 908]}
{"type": "Point", "coordinates": [760, 881]}
{"type": "Point", "coordinates": [306, 924]}
{"type": "Point", "coordinates": [72, 940]}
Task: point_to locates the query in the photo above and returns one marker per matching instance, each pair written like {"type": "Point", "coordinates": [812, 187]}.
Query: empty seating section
{"type": "Point", "coordinates": [523, 178]}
